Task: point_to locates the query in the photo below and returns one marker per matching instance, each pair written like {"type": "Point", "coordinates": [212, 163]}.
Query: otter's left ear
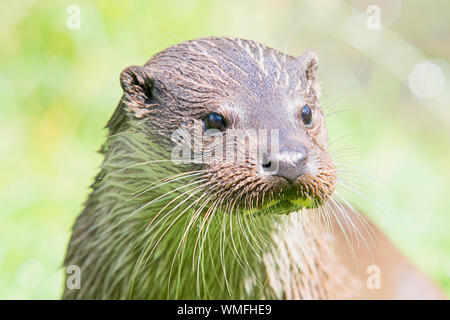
{"type": "Point", "coordinates": [137, 82]}
{"type": "Point", "coordinates": [309, 62]}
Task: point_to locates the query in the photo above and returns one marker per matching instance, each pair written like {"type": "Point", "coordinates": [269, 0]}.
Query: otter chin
{"type": "Point", "coordinates": [291, 200]}
{"type": "Point", "coordinates": [283, 206]}
{"type": "Point", "coordinates": [214, 148]}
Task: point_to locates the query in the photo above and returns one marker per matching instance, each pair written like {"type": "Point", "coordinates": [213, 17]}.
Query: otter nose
{"type": "Point", "coordinates": [288, 163]}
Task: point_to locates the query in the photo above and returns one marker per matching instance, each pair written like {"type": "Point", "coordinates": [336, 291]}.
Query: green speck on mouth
{"type": "Point", "coordinates": [282, 206]}
{"type": "Point", "coordinates": [303, 202]}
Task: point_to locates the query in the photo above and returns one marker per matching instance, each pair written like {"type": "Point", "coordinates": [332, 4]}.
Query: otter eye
{"type": "Point", "coordinates": [306, 114]}
{"type": "Point", "coordinates": [215, 121]}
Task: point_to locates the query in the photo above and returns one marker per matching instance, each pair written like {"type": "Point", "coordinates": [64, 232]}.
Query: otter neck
{"type": "Point", "coordinates": [143, 240]}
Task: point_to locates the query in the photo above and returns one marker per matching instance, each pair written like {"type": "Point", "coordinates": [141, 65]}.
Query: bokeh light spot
{"type": "Point", "coordinates": [426, 80]}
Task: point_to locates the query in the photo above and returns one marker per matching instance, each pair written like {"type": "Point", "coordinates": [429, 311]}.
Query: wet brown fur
{"type": "Point", "coordinates": [252, 86]}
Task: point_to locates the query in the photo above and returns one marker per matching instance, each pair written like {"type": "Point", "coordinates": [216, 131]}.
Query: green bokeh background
{"type": "Point", "coordinates": [59, 86]}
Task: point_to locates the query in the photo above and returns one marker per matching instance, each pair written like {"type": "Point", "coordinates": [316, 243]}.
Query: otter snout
{"type": "Point", "coordinates": [289, 162]}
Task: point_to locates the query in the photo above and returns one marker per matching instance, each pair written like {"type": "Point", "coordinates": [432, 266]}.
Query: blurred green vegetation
{"type": "Point", "coordinates": [59, 86]}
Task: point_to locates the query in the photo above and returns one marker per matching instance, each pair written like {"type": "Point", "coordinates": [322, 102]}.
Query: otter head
{"type": "Point", "coordinates": [249, 116]}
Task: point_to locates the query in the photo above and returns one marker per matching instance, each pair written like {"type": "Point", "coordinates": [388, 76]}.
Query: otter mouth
{"type": "Point", "coordinates": [290, 199]}
{"type": "Point", "coordinates": [284, 206]}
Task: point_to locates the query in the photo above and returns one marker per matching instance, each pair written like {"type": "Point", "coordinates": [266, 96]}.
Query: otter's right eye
{"type": "Point", "coordinates": [306, 114]}
{"type": "Point", "coordinates": [215, 121]}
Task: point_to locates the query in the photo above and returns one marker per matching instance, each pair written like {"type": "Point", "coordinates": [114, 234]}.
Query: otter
{"type": "Point", "coordinates": [264, 227]}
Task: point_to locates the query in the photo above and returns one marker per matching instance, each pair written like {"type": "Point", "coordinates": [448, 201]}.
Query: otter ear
{"type": "Point", "coordinates": [309, 62]}
{"type": "Point", "coordinates": [137, 82]}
